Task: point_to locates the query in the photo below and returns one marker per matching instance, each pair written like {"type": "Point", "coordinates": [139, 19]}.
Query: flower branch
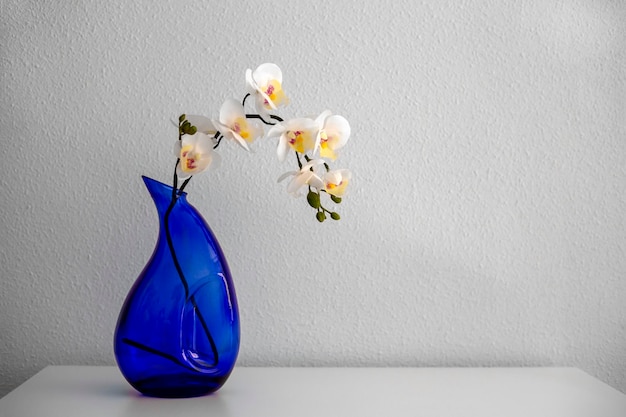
{"type": "Point", "coordinates": [316, 140]}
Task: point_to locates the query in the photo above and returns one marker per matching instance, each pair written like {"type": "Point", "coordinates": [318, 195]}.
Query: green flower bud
{"type": "Point", "coordinates": [320, 216]}
{"type": "Point", "coordinates": [314, 199]}
{"type": "Point", "coordinates": [182, 118]}
{"type": "Point", "coordinates": [193, 130]}
{"type": "Point", "coordinates": [334, 215]}
{"type": "Point", "coordinates": [335, 198]}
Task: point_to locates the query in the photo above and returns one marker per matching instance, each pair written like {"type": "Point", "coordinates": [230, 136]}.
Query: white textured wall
{"type": "Point", "coordinates": [486, 226]}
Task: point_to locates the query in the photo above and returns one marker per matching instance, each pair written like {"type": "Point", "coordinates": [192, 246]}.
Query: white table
{"type": "Point", "coordinates": [90, 391]}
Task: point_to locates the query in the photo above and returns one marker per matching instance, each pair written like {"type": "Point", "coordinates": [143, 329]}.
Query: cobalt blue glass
{"type": "Point", "coordinates": [177, 334]}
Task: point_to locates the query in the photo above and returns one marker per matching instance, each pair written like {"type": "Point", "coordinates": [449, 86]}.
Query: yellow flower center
{"type": "Point", "coordinates": [275, 92]}
{"type": "Point", "coordinates": [299, 140]}
{"type": "Point", "coordinates": [188, 158]}
{"type": "Point", "coordinates": [336, 189]}
{"type": "Point", "coordinates": [323, 139]}
{"type": "Point", "coordinates": [241, 128]}
{"type": "Point", "coordinates": [326, 149]}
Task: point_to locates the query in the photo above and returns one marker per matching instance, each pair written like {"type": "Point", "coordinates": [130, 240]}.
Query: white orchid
{"type": "Point", "coordinates": [305, 176]}
{"type": "Point", "coordinates": [297, 134]}
{"type": "Point", "coordinates": [265, 83]}
{"type": "Point", "coordinates": [195, 153]}
{"type": "Point", "coordinates": [233, 124]}
{"type": "Point", "coordinates": [314, 140]}
{"type": "Point", "coordinates": [333, 133]}
{"type": "Point", "coordinates": [335, 182]}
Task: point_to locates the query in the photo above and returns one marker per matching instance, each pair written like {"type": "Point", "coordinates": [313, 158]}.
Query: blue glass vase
{"type": "Point", "coordinates": [177, 334]}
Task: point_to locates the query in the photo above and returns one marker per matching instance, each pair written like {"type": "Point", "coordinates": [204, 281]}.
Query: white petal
{"type": "Point", "coordinates": [230, 111]}
{"type": "Point", "coordinates": [262, 101]}
{"type": "Point", "coordinates": [283, 149]}
{"type": "Point", "coordinates": [303, 123]}
{"type": "Point", "coordinates": [276, 130]}
{"type": "Point", "coordinates": [286, 174]}
{"type": "Point", "coordinates": [203, 124]}
{"type": "Point", "coordinates": [266, 72]}
{"type": "Point", "coordinates": [338, 126]}
{"type": "Point", "coordinates": [203, 143]}
{"type": "Point", "coordinates": [182, 175]}
{"type": "Point", "coordinates": [321, 118]}
{"type": "Point", "coordinates": [177, 147]}
{"type": "Point", "coordinates": [252, 85]}
{"type": "Point", "coordinates": [216, 161]}
{"type": "Point", "coordinates": [334, 177]}
{"type": "Point", "coordinates": [311, 164]}
{"type": "Point", "coordinates": [316, 182]}
{"type": "Point", "coordinates": [298, 182]}
{"type": "Point", "coordinates": [241, 141]}
{"type": "Point", "coordinates": [257, 130]}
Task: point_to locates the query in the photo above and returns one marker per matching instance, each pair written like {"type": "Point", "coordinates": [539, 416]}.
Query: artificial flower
{"type": "Point", "coordinates": [233, 124]}
{"type": "Point", "coordinates": [265, 83]}
{"type": "Point", "coordinates": [195, 154]}
{"type": "Point", "coordinates": [296, 134]}
{"type": "Point", "coordinates": [203, 124]}
{"type": "Point", "coordinates": [308, 138]}
{"type": "Point", "coordinates": [335, 182]}
{"type": "Point", "coordinates": [306, 176]}
{"type": "Point", "coordinates": [334, 132]}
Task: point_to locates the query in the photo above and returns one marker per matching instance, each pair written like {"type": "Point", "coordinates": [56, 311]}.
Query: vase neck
{"type": "Point", "coordinates": [162, 194]}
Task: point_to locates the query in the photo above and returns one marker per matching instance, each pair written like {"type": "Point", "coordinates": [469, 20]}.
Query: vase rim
{"type": "Point", "coordinates": [146, 179]}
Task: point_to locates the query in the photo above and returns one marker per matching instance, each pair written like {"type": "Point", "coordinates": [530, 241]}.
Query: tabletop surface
{"type": "Point", "coordinates": [96, 391]}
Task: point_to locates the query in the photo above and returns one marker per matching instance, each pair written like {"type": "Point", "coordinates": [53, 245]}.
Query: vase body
{"type": "Point", "coordinates": [177, 334]}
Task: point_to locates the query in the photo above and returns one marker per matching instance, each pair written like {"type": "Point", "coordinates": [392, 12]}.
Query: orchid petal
{"type": "Point", "coordinates": [231, 110]}
{"type": "Point", "coordinates": [338, 127]}
{"type": "Point", "coordinates": [276, 130]}
{"type": "Point", "coordinates": [266, 83]}
{"type": "Point", "coordinates": [252, 85]}
{"type": "Point", "coordinates": [177, 148]}
{"type": "Point", "coordinates": [241, 141]}
{"type": "Point", "coordinates": [286, 175]}
{"type": "Point", "coordinates": [337, 181]}
{"type": "Point", "coordinates": [311, 164]}
{"type": "Point", "coordinates": [283, 149]}
{"type": "Point", "coordinates": [203, 124]}
{"type": "Point", "coordinates": [319, 120]}
{"type": "Point", "coordinates": [195, 154]}
{"type": "Point", "coordinates": [267, 72]}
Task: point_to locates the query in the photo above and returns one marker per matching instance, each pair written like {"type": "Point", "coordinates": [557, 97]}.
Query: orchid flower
{"type": "Point", "coordinates": [318, 137]}
{"type": "Point", "coordinates": [306, 176]}
{"type": "Point", "coordinates": [334, 132]}
{"type": "Point", "coordinates": [297, 134]}
{"type": "Point", "coordinates": [265, 83]}
{"type": "Point", "coordinates": [195, 153]}
{"type": "Point", "coordinates": [335, 182]}
{"type": "Point", "coordinates": [202, 124]}
{"type": "Point", "coordinates": [233, 124]}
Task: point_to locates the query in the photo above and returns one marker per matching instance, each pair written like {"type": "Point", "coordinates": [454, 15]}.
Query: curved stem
{"type": "Point", "coordinates": [168, 235]}
{"type": "Point", "coordinates": [258, 116]}
{"type": "Point", "coordinates": [218, 136]}
{"type": "Point", "coordinates": [298, 158]}
{"type": "Point", "coordinates": [243, 103]}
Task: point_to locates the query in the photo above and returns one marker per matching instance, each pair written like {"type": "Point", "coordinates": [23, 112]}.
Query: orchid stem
{"type": "Point", "coordinates": [176, 193]}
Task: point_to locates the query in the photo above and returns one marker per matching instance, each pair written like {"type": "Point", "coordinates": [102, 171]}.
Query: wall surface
{"type": "Point", "coordinates": [485, 226]}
